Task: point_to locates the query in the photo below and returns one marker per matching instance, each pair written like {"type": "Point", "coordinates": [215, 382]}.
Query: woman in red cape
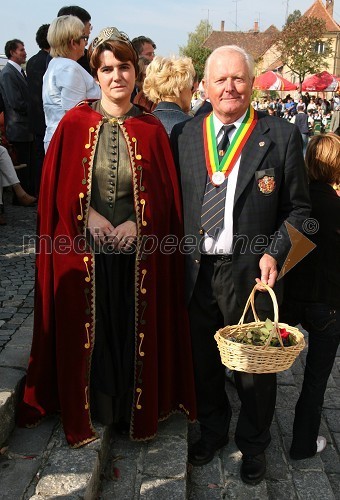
{"type": "Point", "coordinates": [111, 339]}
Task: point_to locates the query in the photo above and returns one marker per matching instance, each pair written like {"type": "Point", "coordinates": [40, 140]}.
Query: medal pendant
{"type": "Point", "coordinates": [218, 178]}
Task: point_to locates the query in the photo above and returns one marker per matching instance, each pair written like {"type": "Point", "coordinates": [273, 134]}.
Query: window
{"type": "Point", "coordinates": [320, 47]}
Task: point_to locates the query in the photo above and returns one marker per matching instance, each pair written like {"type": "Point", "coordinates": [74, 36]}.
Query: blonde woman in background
{"type": "Point", "coordinates": [169, 83]}
{"type": "Point", "coordinates": [65, 82]}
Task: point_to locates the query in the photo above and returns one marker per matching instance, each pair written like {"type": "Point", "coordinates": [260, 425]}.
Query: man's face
{"type": "Point", "coordinates": [148, 51]}
{"type": "Point", "coordinates": [19, 54]}
{"type": "Point", "coordinates": [228, 85]}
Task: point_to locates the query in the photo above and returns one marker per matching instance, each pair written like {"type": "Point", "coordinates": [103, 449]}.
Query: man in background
{"type": "Point", "coordinates": [35, 68]}
{"type": "Point", "coordinates": [15, 95]}
{"type": "Point", "coordinates": [144, 47]}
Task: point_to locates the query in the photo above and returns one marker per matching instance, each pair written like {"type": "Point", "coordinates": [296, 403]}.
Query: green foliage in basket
{"type": "Point", "coordinates": [259, 336]}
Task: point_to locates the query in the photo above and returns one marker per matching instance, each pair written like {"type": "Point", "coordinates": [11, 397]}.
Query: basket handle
{"type": "Point", "coordinates": [251, 302]}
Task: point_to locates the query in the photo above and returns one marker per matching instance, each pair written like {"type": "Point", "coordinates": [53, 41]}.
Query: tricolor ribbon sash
{"type": "Point", "coordinates": [232, 154]}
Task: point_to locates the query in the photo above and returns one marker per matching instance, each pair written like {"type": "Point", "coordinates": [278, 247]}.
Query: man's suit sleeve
{"type": "Point", "coordinates": [12, 90]}
{"type": "Point", "coordinates": [294, 205]}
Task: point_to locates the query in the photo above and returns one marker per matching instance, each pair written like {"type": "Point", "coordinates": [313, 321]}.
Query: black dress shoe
{"type": "Point", "coordinates": [253, 468]}
{"type": "Point", "coordinates": [203, 451]}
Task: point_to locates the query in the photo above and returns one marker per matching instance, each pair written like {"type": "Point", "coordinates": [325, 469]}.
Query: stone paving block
{"type": "Point", "coordinates": [334, 480]}
{"type": "Point", "coordinates": [208, 474]}
{"type": "Point", "coordinates": [277, 466]}
{"type": "Point", "coordinates": [69, 472]}
{"type": "Point", "coordinates": [176, 425]}
{"type": "Point", "coordinates": [166, 457]}
{"type": "Point", "coordinates": [333, 419]}
{"type": "Point", "coordinates": [16, 476]}
{"type": "Point", "coordinates": [297, 367]}
{"type": "Point", "coordinates": [208, 493]}
{"type": "Point", "coordinates": [285, 378]}
{"type": "Point", "coordinates": [281, 490]}
{"type": "Point", "coordinates": [330, 460]}
{"type": "Point", "coordinates": [285, 419]}
{"type": "Point", "coordinates": [336, 437]}
{"type": "Point", "coordinates": [231, 459]}
{"type": "Point", "coordinates": [286, 397]}
{"type": "Point", "coordinates": [15, 357]}
{"type": "Point", "coordinates": [163, 489]}
{"type": "Point", "coordinates": [275, 434]}
{"type": "Point", "coordinates": [332, 397]}
{"type": "Point", "coordinates": [312, 485]}
{"type": "Point", "coordinates": [235, 489]}
{"type": "Point", "coordinates": [10, 380]}
{"type": "Point", "coordinates": [120, 478]}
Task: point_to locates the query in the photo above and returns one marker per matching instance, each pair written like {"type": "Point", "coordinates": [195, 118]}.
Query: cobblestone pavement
{"type": "Point", "coordinates": [138, 468]}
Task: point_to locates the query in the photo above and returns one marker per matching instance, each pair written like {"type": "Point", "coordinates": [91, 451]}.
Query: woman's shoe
{"type": "Point", "coordinates": [321, 444]}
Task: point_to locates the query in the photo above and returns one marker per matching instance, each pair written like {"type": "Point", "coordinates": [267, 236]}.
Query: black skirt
{"type": "Point", "coordinates": [112, 366]}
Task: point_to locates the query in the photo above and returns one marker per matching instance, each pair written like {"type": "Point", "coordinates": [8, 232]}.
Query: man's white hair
{"type": "Point", "coordinates": [224, 49]}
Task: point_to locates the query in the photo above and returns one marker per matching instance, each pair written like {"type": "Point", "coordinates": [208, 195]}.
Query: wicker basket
{"type": "Point", "coordinates": [258, 359]}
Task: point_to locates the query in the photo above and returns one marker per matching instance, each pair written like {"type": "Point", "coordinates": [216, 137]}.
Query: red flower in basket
{"type": "Point", "coordinates": [284, 333]}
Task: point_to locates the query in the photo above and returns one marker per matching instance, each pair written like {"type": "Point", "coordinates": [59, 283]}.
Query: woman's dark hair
{"type": "Point", "coordinates": [121, 50]}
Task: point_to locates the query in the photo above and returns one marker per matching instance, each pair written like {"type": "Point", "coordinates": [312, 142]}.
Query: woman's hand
{"type": "Point", "coordinates": [99, 227]}
{"type": "Point", "coordinates": [123, 236]}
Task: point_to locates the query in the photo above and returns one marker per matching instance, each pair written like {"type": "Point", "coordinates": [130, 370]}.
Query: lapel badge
{"type": "Point", "coordinates": [261, 144]}
{"type": "Point", "coordinates": [266, 184]}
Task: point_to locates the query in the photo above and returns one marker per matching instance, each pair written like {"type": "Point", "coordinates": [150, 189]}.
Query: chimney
{"type": "Point", "coordinates": [222, 25]}
{"type": "Point", "coordinates": [256, 26]}
{"type": "Point", "coordinates": [330, 7]}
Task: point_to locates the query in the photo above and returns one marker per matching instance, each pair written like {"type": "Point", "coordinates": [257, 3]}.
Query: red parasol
{"type": "Point", "coordinates": [273, 81]}
{"type": "Point", "coordinates": [321, 82]}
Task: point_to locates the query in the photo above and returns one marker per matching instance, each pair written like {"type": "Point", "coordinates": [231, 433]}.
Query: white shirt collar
{"type": "Point", "coordinates": [16, 65]}
{"type": "Point", "coordinates": [218, 124]}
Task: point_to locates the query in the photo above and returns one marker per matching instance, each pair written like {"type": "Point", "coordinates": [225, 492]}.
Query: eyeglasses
{"type": "Point", "coordinates": [84, 37]}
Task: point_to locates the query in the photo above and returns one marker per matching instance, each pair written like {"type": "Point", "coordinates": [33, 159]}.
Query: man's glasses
{"type": "Point", "coordinates": [84, 37]}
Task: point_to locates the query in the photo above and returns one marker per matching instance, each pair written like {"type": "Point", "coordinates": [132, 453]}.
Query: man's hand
{"type": "Point", "coordinates": [268, 269]}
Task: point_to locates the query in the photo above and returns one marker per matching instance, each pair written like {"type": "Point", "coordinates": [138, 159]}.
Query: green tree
{"type": "Point", "coordinates": [303, 48]}
{"type": "Point", "coordinates": [293, 17]}
{"type": "Point", "coordinates": [194, 47]}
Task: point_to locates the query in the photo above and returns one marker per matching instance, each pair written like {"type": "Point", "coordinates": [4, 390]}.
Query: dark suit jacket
{"type": "Point", "coordinates": [35, 69]}
{"type": "Point", "coordinates": [14, 90]}
{"type": "Point", "coordinates": [273, 149]}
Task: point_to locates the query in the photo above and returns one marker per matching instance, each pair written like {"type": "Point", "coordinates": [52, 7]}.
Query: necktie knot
{"type": "Point", "coordinates": [224, 142]}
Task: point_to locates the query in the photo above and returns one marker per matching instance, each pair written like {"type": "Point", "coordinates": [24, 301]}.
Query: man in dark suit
{"type": "Point", "coordinates": [235, 203]}
{"type": "Point", "coordinates": [35, 68]}
{"type": "Point", "coordinates": [15, 94]}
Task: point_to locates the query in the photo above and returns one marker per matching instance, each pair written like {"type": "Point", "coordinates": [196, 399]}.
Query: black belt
{"type": "Point", "coordinates": [223, 257]}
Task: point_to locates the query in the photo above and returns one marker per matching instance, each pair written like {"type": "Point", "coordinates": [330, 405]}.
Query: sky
{"type": "Point", "coordinates": [167, 22]}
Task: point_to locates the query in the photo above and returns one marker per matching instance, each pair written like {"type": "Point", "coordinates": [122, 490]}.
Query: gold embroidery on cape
{"type": "Point", "coordinates": [88, 277]}
{"type": "Point", "coordinates": [81, 215]}
{"type": "Point", "coordinates": [143, 202]}
{"type": "Point", "coordinates": [84, 160]}
{"type": "Point", "coordinates": [139, 392]}
{"type": "Point", "coordinates": [87, 406]}
{"type": "Point", "coordinates": [143, 290]}
{"type": "Point", "coordinates": [88, 145]}
{"type": "Point", "coordinates": [184, 409]}
{"type": "Point", "coordinates": [141, 353]}
{"type": "Point", "coordinates": [137, 155]}
{"type": "Point", "coordinates": [88, 344]}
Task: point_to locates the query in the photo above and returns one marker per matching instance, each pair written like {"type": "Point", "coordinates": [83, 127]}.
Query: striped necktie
{"type": "Point", "coordinates": [214, 197]}
{"type": "Point", "coordinates": [23, 74]}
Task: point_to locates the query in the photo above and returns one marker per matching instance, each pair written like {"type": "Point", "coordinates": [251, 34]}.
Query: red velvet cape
{"type": "Point", "coordinates": [58, 377]}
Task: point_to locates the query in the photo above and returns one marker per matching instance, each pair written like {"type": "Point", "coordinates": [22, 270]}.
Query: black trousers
{"type": "Point", "coordinates": [323, 324]}
{"type": "Point", "coordinates": [214, 305]}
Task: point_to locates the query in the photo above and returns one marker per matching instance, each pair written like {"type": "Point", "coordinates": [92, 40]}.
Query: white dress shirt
{"type": "Point", "coordinates": [224, 243]}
